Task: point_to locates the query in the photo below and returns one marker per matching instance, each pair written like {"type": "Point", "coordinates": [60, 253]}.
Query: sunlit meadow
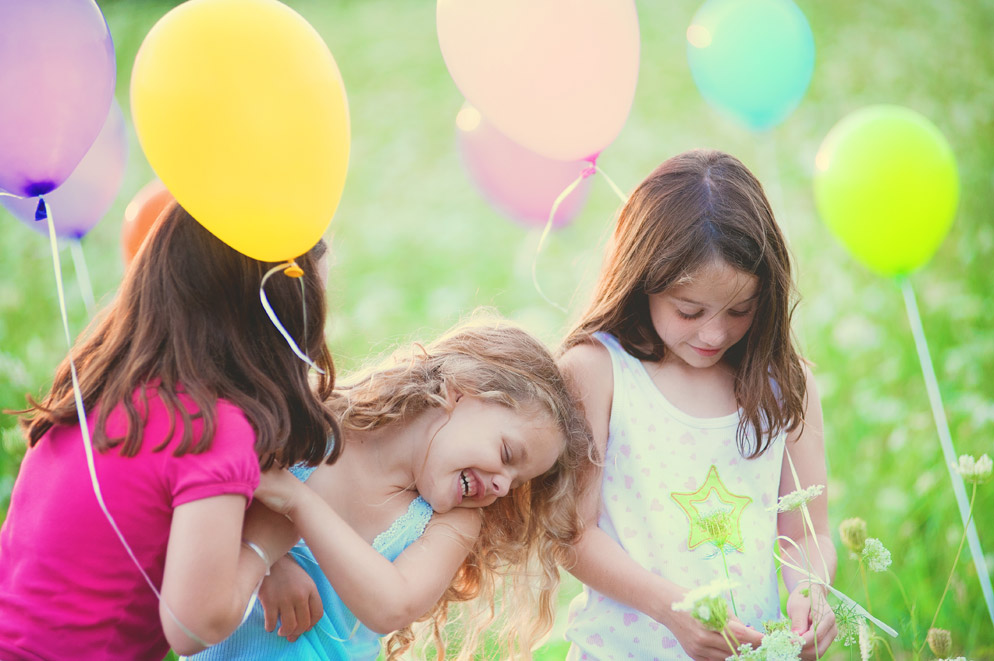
{"type": "Point", "coordinates": [415, 247]}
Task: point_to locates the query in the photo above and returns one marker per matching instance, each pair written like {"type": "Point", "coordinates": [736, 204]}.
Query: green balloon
{"type": "Point", "coordinates": [886, 185]}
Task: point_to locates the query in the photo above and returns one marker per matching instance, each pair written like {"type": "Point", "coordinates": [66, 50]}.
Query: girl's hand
{"type": "Point", "coordinates": [289, 596]}
{"type": "Point", "coordinates": [278, 490]}
{"type": "Point", "coordinates": [702, 644]}
{"type": "Point", "coordinates": [809, 615]}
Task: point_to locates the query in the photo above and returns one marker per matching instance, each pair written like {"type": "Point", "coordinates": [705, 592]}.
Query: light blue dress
{"type": "Point", "coordinates": [338, 635]}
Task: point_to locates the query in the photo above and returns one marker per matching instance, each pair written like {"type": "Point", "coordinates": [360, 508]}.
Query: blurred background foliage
{"type": "Point", "coordinates": [416, 247]}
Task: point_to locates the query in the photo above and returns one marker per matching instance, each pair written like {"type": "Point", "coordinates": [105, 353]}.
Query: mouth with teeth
{"type": "Point", "coordinates": [468, 484]}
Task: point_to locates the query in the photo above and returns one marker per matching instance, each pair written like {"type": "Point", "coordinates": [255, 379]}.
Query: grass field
{"type": "Point", "coordinates": [415, 247]}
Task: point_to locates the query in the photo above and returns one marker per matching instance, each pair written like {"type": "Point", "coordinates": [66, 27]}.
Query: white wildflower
{"type": "Point", "coordinates": [876, 556]}
{"type": "Point", "coordinates": [796, 499]}
{"type": "Point", "coordinates": [707, 604]}
{"type": "Point", "coordinates": [976, 471]}
{"type": "Point", "coordinates": [779, 644]}
{"type": "Point", "coordinates": [865, 639]}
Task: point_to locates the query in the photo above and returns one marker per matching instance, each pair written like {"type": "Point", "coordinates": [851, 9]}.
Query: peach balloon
{"type": "Point", "coordinates": [556, 76]}
{"type": "Point", "coordinates": [139, 216]}
{"type": "Point", "coordinates": [519, 183]}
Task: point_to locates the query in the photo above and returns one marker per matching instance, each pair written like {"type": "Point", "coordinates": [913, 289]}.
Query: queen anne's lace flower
{"type": "Point", "coordinates": [707, 604]}
{"type": "Point", "coordinates": [940, 641]}
{"type": "Point", "coordinates": [876, 556]}
{"type": "Point", "coordinates": [795, 499]}
{"type": "Point", "coordinates": [847, 622]}
{"type": "Point", "coordinates": [778, 645]}
{"type": "Point", "coordinates": [853, 534]}
{"type": "Point", "coordinates": [973, 470]}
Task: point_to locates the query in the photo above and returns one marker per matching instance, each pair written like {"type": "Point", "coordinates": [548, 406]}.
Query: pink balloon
{"type": "Point", "coordinates": [556, 76]}
{"type": "Point", "coordinates": [79, 204]}
{"type": "Point", "coordinates": [519, 183]}
{"type": "Point", "coordinates": [57, 74]}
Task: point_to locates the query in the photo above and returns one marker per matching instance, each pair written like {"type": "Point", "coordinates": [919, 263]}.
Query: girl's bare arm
{"type": "Point", "coordinates": [383, 595]}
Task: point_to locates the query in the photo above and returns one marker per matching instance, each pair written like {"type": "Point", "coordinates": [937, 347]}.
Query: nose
{"type": "Point", "coordinates": [500, 484]}
{"type": "Point", "coordinates": [713, 333]}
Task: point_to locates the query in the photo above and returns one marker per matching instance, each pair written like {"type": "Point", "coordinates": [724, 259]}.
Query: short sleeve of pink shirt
{"type": "Point", "coordinates": [230, 467]}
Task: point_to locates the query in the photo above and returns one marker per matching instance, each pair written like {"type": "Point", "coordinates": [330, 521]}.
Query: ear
{"type": "Point", "coordinates": [452, 395]}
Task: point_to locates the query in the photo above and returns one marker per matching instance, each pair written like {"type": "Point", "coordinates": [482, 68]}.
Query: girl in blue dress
{"type": "Point", "coordinates": [457, 482]}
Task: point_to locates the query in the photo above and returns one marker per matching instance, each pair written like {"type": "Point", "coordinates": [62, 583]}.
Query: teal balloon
{"type": "Point", "coordinates": [752, 58]}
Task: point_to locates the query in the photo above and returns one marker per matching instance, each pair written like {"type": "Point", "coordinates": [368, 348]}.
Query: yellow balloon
{"type": "Point", "coordinates": [241, 111]}
{"type": "Point", "coordinates": [886, 185]}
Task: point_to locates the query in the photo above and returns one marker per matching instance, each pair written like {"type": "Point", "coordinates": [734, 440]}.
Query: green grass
{"type": "Point", "coordinates": [415, 247]}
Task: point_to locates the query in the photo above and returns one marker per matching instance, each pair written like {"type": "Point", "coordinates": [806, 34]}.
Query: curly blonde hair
{"type": "Point", "coordinates": [511, 574]}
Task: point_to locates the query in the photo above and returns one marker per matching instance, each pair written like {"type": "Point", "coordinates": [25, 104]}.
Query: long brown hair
{"type": "Point", "coordinates": [188, 319]}
{"type": "Point", "coordinates": [695, 208]}
{"type": "Point", "coordinates": [527, 535]}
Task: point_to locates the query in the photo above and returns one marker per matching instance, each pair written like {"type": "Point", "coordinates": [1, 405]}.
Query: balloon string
{"type": "Point", "coordinates": [548, 227]}
{"type": "Point", "coordinates": [276, 320]}
{"type": "Point", "coordinates": [614, 186]}
{"type": "Point", "coordinates": [946, 442]}
{"type": "Point", "coordinates": [84, 427]}
{"type": "Point", "coordinates": [82, 275]}
{"type": "Point", "coordinates": [806, 515]}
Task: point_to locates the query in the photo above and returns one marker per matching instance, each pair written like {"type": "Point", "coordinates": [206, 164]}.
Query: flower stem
{"type": "Point", "coordinates": [911, 609]}
{"type": "Point", "coordinates": [962, 540]}
{"type": "Point", "coordinates": [728, 642]}
{"type": "Point", "coordinates": [731, 596]}
{"type": "Point", "coordinates": [811, 603]}
{"type": "Point", "coordinates": [866, 587]}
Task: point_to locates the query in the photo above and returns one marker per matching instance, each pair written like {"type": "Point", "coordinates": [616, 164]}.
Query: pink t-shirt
{"type": "Point", "coordinates": [68, 589]}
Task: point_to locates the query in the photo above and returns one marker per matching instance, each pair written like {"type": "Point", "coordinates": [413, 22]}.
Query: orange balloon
{"type": "Point", "coordinates": [140, 214]}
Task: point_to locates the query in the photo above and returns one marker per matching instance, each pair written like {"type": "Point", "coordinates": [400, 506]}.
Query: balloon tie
{"type": "Point", "coordinates": [293, 271]}
{"type": "Point", "coordinates": [84, 427]}
{"type": "Point", "coordinates": [41, 212]}
{"type": "Point", "coordinates": [946, 441]}
{"type": "Point", "coordinates": [287, 268]}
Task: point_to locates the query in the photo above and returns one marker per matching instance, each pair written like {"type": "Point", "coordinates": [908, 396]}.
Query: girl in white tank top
{"type": "Point", "coordinates": [687, 370]}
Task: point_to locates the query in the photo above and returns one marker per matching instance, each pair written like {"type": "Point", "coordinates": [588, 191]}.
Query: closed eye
{"type": "Point", "coordinates": [506, 454]}
{"type": "Point", "coordinates": [740, 313]}
{"type": "Point", "coordinates": [684, 315]}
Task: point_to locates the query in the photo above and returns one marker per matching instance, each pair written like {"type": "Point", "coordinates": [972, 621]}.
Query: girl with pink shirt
{"type": "Point", "coordinates": [188, 388]}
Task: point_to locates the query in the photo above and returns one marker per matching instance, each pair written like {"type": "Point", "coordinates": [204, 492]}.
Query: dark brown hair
{"type": "Point", "coordinates": [188, 319]}
{"type": "Point", "coordinates": [698, 207]}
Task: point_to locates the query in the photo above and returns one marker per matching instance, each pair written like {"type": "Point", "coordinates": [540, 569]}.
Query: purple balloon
{"type": "Point", "coordinates": [57, 76]}
{"type": "Point", "coordinates": [518, 182]}
{"type": "Point", "coordinates": [78, 204]}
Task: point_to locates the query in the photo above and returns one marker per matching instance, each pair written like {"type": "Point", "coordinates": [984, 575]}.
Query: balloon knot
{"type": "Point", "coordinates": [589, 172]}
{"type": "Point", "coordinates": [41, 212]}
{"type": "Point", "coordinates": [293, 271]}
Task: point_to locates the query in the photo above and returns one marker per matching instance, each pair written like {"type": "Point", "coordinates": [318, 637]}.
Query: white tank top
{"type": "Point", "coordinates": [668, 478]}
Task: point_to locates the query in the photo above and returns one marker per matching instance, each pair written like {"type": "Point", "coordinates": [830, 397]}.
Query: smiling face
{"type": "Point", "coordinates": [483, 450]}
{"type": "Point", "coordinates": [700, 320]}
